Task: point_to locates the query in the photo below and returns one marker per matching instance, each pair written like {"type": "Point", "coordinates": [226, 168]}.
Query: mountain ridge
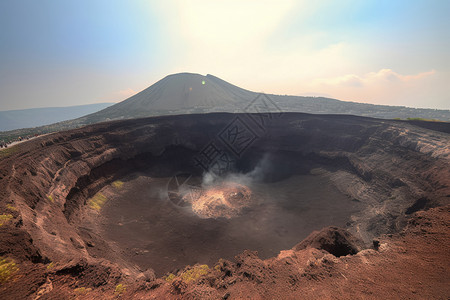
{"type": "Point", "coordinates": [182, 93]}
{"type": "Point", "coordinates": [31, 117]}
{"type": "Point", "coordinates": [188, 93]}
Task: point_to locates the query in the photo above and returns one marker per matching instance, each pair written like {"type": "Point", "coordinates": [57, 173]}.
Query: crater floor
{"type": "Point", "coordinates": [147, 229]}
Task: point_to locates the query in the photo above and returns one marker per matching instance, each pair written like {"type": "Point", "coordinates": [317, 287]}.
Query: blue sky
{"type": "Point", "coordinates": [60, 53]}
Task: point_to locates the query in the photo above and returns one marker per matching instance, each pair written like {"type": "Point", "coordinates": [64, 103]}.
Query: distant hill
{"type": "Point", "coordinates": [186, 93]}
{"type": "Point", "coordinates": [25, 118]}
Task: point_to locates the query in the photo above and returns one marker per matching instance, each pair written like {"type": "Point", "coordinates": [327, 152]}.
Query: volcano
{"type": "Point", "coordinates": [265, 205]}
{"type": "Point", "coordinates": [180, 93]}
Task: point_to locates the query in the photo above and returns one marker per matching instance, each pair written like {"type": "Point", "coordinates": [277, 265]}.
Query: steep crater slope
{"type": "Point", "coordinates": [106, 192]}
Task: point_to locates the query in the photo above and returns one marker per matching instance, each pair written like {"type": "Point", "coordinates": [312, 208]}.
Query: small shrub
{"type": "Point", "coordinates": [50, 197]}
{"type": "Point", "coordinates": [423, 119]}
{"type": "Point", "coordinates": [5, 218]}
{"type": "Point", "coordinates": [117, 184]}
{"type": "Point", "coordinates": [97, 201]}
{"type": "Point", "coordinates": [82, 290]}
{"type": "Point", "coordinates": [194, 273]}
{"type": "Point", "coordinates": [170, 277]}
{"type": "Point", "coordinates": [50, 266]}
{"type": "Point", "coordinates": [11, 208]}
{"type": "Point", "coordinates": [7, 269]}
{"type": "Point", "coordinates": [120, 288]}
{"type": "Point", "coordinates": [8, 151]}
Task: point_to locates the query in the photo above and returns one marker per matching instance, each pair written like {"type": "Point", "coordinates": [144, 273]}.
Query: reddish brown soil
{"type": "Point", "coordinates": [413, 264]}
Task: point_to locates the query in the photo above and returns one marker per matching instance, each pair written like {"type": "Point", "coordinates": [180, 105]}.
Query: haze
{"type": "Point", "coordinates": [61, 53]}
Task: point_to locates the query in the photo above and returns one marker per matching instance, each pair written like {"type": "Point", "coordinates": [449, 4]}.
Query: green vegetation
{"type": "Point", "coordinates": [170, 277]}
{"type": "Point", "coordinates": [11, 208]}
{"type": "Point", "coordinates": [97, 201]}
{"type": "Point", "coordinates": [120, 289]}
{"type": "Point", "coordinates": [194, 273]}
{"type": "Point", "coordinates": [190, 274]}
{"type": "Point", "coordinates": [82, 290]}
{"type": "Point", "coordinates": [117, 184]}
{"type": "Point", "coordinates": [217, 267]}
{"type": "Point", "coordinates": [50, 266]}
{"type": "Point", "coordinates": [5, 218]}
{"type": "Point", "coordinates": [422, 119]}
{"type": "Point", "coordinates": [7, 269]}
{"type": "Point", "coordinates": [8, 151]}
{"type": "Point", "coordinates": [50, 197]}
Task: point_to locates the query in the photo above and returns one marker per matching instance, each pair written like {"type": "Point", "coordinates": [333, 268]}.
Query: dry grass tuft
{"type": "Point", "coordinates": [7, 269]}
{"type": "Point", "coordinates": [97, 201]}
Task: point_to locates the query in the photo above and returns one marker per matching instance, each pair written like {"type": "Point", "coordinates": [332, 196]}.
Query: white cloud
{"type": "Point", "coordinates": [383, 76]}
{"type": "Point", "coordinates": [382, 87]}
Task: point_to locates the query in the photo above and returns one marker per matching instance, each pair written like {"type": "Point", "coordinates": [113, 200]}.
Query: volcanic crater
{"type": "Point", "coordinates": [130, 193]}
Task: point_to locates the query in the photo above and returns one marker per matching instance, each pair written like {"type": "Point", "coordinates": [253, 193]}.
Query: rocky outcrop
{"type": "Point", "coordinates": [334, 240]}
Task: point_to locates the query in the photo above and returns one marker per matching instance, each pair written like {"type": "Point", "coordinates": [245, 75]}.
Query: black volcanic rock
{"type": "Point", "coordinates": [336, 241]}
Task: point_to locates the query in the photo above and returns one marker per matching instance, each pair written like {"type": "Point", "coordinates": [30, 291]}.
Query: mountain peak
{"type": "Point", "coordinates": [185, 74]}
{"type": "Point", "coordinates": [180, 93]}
